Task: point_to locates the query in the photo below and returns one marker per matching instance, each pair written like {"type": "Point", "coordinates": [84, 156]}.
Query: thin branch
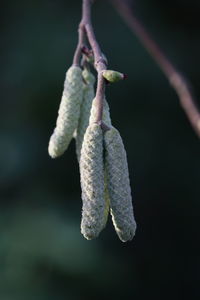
{"type": "Point", "coordinates": [99, 61]}
{"type": "Point", "coordinates": [81, 39]}
{"type": "Point", "coordinates": [86, 28]}
{"type": "Point", "coordinates": [175, 78]}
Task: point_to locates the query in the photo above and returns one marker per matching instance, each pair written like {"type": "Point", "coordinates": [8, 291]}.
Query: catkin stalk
{"type": "Point", "coordinates": [92, 182]}
{"type": "Point", "coordinates": [106, 113]}
{"type": "Point", "coordinates": [119, 185]}
{"type": "Point", "coordinates": [68, 113]}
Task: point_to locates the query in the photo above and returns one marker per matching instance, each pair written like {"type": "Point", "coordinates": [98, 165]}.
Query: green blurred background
{"type": "Point", "coordinates": [42, 252]}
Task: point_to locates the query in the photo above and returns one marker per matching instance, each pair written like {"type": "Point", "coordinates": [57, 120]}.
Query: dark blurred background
{"type": "Point", "coordinates": [42, 252]}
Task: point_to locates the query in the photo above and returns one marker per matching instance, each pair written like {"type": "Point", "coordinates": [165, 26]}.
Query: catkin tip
{"type": "Point", "coordinates": [128, 235]}
{"type": "Point", "coordinates": [53, 154]}
{"type": "Point", "coordinates": [52, 151]}
{"type": "Point", "coordinates": [89, 235]}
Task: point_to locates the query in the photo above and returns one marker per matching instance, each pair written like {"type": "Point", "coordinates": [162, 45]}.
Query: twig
{"type": "Point", "coordinates": [175, 78]}
{"type": "Point", "coordinates": [81, 39]}
{"type": "Point", "coordinates": [86, 28]}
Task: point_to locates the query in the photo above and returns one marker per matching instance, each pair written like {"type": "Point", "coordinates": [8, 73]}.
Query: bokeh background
{"type": "Point", "coordinates": [43, 255]}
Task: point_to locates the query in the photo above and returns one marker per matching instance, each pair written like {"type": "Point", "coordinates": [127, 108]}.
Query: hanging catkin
{"type": "Point", "coordinates": [92, 182]}
{"type": "Point", "coordinates": [107, 120]}
{"type": "Point", "coordinates": [119, 185]}
{"type": "Point", "coordinates": [88, 96]}
{"type": "Point", "coordinates": [68, 113]}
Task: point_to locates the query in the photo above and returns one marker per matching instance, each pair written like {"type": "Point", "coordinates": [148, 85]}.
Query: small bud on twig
{"type": "Point", "coordinates": [113, 76]}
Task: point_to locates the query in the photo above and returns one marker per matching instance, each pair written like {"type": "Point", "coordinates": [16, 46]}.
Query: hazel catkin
{"type": "Point", "coordinates": [88, 96]}
{"type": "Point", "coordinates": [107, 121]}
{"type": "Point", "coordinates": [119, 185]}
{"type": "Point", "coordinates": [68, 114]}
{"type": "Point", "coordinates": [92, 182]}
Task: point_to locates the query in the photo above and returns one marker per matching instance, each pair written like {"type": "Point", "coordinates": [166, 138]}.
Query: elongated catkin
{"type": "Point", "coordinates": [92, 182]}
{"type": "Point", "coordinates": [119, 185]}
{"type": "Point", "coordinates": [88, 96]}
{"type": "Point", "coordinates": [107, 120]}
{"type": "Point", "coordinates": [68, 113]}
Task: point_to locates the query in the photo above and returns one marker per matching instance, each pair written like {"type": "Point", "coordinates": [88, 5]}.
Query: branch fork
{"type": "Point", "coordinates": [86, 31]}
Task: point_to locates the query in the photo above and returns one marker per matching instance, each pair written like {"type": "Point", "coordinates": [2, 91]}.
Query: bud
{"type": "Point", "coordinates": [119, 185]}
{"type": "Point", "coordinates": [88, 54]}
{"type": "Point", "coordinates": [90, 59]}
{"type": "Point", "coordinates": [92, 182]}
{"type": "Point", "coordinates": [68, 113]}
{"type": "Point", "coordinates": [112, 76]}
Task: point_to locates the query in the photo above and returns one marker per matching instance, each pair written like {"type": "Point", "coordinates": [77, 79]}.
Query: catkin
{"type": "Point", "coordinates": [92, 182]}
{"type": "Point", "coordinates": [119, 185]}
{"type": "Point", "coordinates": [107, 120]}
{"type": "Point", "coordinates": [68, 113]}
{"type": "Point", "coordinates": [88, 96]}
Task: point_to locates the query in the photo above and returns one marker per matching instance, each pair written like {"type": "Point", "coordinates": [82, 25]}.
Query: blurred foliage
{"type": "Point", "coordinates": [42, 253]}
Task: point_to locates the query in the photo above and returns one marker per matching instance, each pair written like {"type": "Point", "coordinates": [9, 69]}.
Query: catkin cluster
{"type": "Point", "coordinates": [102, 158]}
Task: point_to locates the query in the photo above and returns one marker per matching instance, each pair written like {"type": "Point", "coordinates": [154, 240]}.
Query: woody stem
{"type": "Point", "coordinates": [86, 28]}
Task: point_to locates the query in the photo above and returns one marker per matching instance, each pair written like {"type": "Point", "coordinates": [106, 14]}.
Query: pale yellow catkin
{"type": "Point", "coordinates": [68, 114]}
{"type": "Point", "coordinates": [92, 182]}
{"type": "Point", "coordinates": [119, 185]}
{"type": "Point", "coordinates": [88, 96]}
{"type": "Point", "coordinates": [107, 121]}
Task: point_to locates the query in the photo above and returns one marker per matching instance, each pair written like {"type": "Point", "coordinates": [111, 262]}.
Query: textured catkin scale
{"type": "Point", "coordinates": [88, 96]}
{"type": "Point", "coordinates": [92, 182]}
{"type": "Point", "coordinates": [106, 199]}
{"type": "Point", "coordinates": [68, 113]}
{"type": "Point", "coordinates": [119, 185]}
{"type": "Point", "coordinates": [106, 113]}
